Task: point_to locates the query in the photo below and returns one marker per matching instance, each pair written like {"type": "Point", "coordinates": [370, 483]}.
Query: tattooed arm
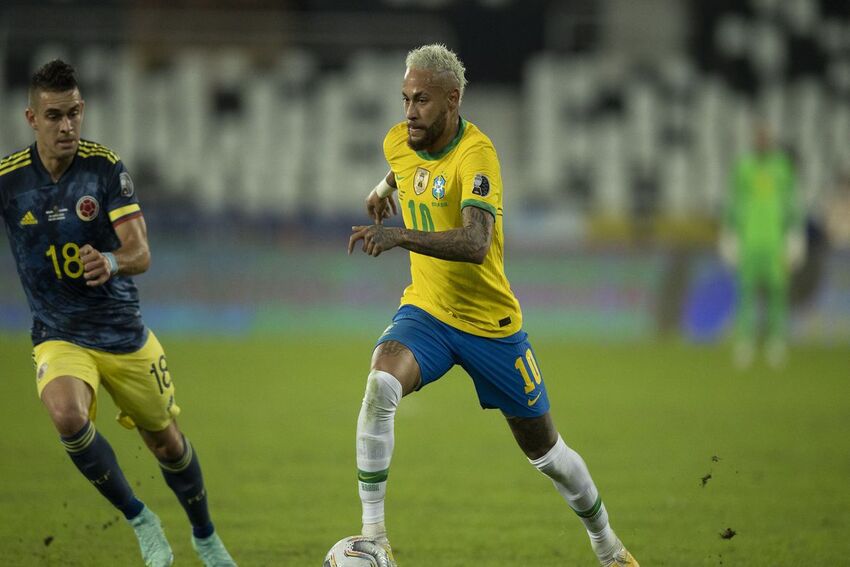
{"type": "Point", "coordinates": [469, 243]}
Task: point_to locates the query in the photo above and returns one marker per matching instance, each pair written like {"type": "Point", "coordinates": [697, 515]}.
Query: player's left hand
{"type": "Point", "coordinates": [380, 208]}
{"type": "Point", "coordinates": [376, 238]}
{"type": "Point", "coordinates": [95, 266]}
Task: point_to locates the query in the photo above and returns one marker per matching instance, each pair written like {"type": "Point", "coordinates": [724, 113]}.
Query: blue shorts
{"type": "Point", "coordinates": [504, 370]}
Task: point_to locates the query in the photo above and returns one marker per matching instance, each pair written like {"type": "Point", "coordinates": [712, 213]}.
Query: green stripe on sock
{"type": "Point", "coordinates": [592, 511]}
{"type": "Point", "coordinates": [373, 477]}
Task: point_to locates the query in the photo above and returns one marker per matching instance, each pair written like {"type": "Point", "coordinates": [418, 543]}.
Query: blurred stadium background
{"type": "Point", "coordinates": [253, 130]}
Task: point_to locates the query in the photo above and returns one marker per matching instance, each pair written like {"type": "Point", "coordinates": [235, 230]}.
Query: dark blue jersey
{"type": "Point", "coordinates": [48, 222]}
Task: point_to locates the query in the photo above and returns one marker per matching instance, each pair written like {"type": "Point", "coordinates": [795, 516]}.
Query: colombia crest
{"type": "Point", "coordinates": [87, 208]}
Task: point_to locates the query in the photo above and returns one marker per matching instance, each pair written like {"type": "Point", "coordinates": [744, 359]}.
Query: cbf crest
{"type": "Point", "coordinates": [439, 188]}
{"type": "Point", "coordinates": [420, 180]}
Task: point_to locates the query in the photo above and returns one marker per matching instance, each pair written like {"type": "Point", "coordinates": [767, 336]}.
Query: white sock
{"type": "Point", "coordinates": [571, 478]}
{"type": "Point", "coordinates": [376, 531]}
{"type": "Point", "coordinates": [375, 446]}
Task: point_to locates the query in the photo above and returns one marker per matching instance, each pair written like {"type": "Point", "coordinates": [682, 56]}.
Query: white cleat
{"type": "Point", "coordinates": [212, 552]}
{"type": "Point", "coordinates": [156, 552]}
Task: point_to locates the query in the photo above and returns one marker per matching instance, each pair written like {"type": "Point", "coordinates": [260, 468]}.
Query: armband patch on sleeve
{"type": "Point", "coordinates": [127, 187]}
{"type": "Point", "coordinates": [125, 213]}
{"type": "Point", "coordinates": [481, 185]}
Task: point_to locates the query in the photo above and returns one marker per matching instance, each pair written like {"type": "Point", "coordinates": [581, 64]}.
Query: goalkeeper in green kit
{"type": "Point", "coordinates": [763, 238]}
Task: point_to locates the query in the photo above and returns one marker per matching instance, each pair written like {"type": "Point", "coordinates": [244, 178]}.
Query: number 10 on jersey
{"type": "Point", "coordinates": [425, 213]}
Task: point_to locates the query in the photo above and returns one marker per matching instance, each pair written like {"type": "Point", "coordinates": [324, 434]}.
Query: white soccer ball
{"type": "Point", "coordinates": [356, 551]}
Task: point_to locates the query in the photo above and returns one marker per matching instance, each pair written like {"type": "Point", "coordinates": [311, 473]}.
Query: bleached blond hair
{"type": "Point", "coordinates": [438, 58]}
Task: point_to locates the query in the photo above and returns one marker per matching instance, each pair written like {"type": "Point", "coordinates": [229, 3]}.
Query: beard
{"type": "Point", "coordinates": [431, 135]}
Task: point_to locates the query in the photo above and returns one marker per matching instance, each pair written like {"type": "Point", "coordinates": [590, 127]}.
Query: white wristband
{"type": "Point", "coordinates": [113, 263]}
{"type": "Point", "coordinates": [383, 189]}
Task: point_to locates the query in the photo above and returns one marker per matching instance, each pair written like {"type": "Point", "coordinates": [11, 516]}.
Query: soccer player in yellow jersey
{"type": "Point", "coordinates": [459, 308]}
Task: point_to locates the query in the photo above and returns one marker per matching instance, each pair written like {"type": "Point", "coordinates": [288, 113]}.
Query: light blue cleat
{"type": "Point", "coordinates": [152, 542]}
{"type": "Point", "coordinates": [212, 552]}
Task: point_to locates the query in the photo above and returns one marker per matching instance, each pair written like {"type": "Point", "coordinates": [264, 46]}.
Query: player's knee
{"type": "Point", "coordinates": [536, 436]}
{"type": "Point", "coordinates": [67, 400]}
{"type": "Point", "coordinates": [168, 452]}
{"type": "Point", "coordinates": [166, 445]}
{"type": "Point", "coordinates": [539, 450]}
{"type": "Point", "coordinates": [68, 417]}
{"type": "Point", "coordinates": [383, 392]}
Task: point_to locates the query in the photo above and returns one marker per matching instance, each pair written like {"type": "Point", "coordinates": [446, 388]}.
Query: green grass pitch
{"type": "Point", "coordinates": [273, 422]}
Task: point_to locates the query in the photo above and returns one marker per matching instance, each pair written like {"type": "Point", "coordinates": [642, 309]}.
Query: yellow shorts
{"type": "Point", "coordinates": [139, 382]}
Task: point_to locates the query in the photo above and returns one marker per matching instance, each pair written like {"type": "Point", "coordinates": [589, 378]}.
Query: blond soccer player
{"type": "Point", "coordinates": [459, 308]}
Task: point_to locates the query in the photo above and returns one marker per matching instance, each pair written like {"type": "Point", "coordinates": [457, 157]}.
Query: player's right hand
{"type": "Point", "coordinates": [380, 208]}
{"type": "Point", "coordinates": [95, 266]}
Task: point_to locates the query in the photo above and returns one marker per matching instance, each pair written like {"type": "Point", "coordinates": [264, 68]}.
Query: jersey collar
{"type": "Point", "coordinates": [451, 145]}
{"type": "Point", "coordinates": [42, 171]}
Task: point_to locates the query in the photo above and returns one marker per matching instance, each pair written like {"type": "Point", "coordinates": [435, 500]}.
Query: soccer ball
{"type": "Point", "coordinates": [356, 551]}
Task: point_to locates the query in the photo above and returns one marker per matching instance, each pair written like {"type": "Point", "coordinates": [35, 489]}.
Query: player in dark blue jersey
{"type": "Point", "coordinates": [78, 235]}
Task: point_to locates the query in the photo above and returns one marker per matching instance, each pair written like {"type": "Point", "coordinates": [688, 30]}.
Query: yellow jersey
{"type": "Point", "coordinates": [433, 189]}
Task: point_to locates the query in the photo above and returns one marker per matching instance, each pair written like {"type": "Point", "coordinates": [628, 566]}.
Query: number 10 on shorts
{"type": "Point", "coordinates": [524, 366]}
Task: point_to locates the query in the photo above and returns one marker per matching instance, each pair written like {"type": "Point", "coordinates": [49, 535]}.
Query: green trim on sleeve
{"type": "Point", "coordinates": [479, 204]}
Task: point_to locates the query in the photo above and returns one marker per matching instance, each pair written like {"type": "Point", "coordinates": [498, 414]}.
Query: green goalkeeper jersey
{"type": "Point", "coordinates": [763, 205]}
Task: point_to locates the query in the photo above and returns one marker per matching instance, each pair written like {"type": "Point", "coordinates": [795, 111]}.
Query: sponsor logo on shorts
{"type": "Point", "coordinates": [41, 371]}
{"type": "Point", "coordinates": [533, 401]}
